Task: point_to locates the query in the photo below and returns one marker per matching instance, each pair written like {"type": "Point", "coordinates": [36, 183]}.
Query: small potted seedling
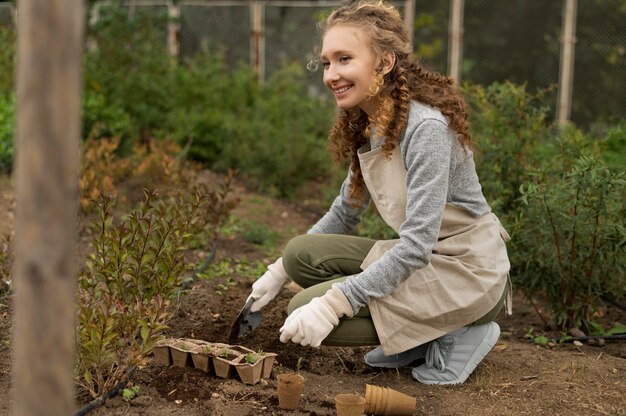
{"type": "Point", "coordinates": [250, 368]}
{"type": "Point", "coordinates": [224, 361]}
{"type": "Point", "coordinates": [201, 356]}
{"type": "Point", "coordinates": [268, 359]}
{"type": "Point", "coordinates": [250, 358]}
{"type": "Point", "coordinates": [161, 352]}
{"type": "Point", "coordinates": [290, 387]}
{"type": "Point", "coordinates": [180, 354]}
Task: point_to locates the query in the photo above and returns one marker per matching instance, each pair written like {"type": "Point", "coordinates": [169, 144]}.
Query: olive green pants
{"type": "Point", "coordinates": [316, 261]}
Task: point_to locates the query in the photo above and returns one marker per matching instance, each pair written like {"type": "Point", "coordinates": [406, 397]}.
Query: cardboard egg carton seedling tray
{"type": "Point", "coordinates": [223, 360]}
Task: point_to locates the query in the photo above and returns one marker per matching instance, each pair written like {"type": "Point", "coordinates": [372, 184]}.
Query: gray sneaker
{"type": "Point", "coordinates": [453, 357]}
{"type": "Point", "coordinates": [376, 357]}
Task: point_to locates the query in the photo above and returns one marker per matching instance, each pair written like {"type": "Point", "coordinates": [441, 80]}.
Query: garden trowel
{"type": "Point", "coordinates": [245, 322]}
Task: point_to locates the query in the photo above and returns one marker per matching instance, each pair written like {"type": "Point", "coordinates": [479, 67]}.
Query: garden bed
{"type": "Point", "coordinates": [516, 378]}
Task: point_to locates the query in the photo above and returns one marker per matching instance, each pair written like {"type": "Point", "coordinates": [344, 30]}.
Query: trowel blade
{"type": "Point", "coordinates": [245, 322]}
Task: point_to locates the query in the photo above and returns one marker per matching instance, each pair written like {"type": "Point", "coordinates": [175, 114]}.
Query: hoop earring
{"type": "Point", "coordinates": [374, 89]}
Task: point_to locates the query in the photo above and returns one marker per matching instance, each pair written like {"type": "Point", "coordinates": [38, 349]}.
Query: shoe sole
{"type": "Point", "coordinates": [396, 364]}
{"type": "Point", "coordinates": [401, 364]}
{"type": "Point", "coordinates": [490, 340]}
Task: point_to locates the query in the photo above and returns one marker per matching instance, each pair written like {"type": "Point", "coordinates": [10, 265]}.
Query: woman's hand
{"type": "Point", "coordinates": [267, 287]}
{"type": "Point", "coordinates": [310, 324]}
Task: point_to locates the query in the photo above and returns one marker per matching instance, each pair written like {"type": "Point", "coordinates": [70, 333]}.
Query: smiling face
{"type": "Point", "coordinates": [349, 67]}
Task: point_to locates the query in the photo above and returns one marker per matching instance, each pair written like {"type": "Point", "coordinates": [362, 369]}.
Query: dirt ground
{"type": "Point", "coordinates": [516, 378]}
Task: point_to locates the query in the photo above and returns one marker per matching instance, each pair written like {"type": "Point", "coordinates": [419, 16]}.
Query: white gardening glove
{"type": "Point", "coordinates": [310, 324]}
{"type": "Point", "coordinates": [268, 286]}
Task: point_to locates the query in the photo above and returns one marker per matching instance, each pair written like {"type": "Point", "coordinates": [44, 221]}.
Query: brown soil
{"type": "Point", "coordinates": [516, 378]}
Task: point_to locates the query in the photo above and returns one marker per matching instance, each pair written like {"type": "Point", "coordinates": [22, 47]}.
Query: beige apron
{"type": "Point", "coordinates": [466, 277]}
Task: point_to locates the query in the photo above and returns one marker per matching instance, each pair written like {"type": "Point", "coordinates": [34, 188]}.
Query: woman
{"type": "Point", "coordinates": [432, 293]}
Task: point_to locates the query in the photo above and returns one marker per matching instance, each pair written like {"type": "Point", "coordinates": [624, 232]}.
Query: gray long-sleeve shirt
{"type": "Point", "coordinates": [439, 172]}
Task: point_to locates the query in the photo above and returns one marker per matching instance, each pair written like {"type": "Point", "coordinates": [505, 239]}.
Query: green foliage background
{"type": "Point", "coordinates": [275, 133]}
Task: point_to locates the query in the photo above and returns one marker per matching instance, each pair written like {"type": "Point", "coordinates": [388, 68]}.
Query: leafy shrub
{"type": "Point", "coordinates": [102, 119]}
{"type": "Point", "coordinates": [7, 129]}
{"type": "Point", "coordinates": [280, 142]}
{"type": "Point", "coordinates": [510, 127]}
{"type": "Point", "coordinates": [125, 292]}
{"type": "Point", "coordinates": [568, 228]}
{"type": "Point", "coordinates": [614, 147]}
{"type": "Point", "coordinates": [129, 66]}
{"type": "Point", "coordinates": [104, 170]}
{"type": "Point", "coordinates": [210, 102]}
{"type": "Point", "coordinates": [101, 170]}
{"type": "Point", "coordinates": [132, 277]}
{"type": "Point", "coordinates": [569, 239]}
{"type": "Point", "coordinates": [274, 135]}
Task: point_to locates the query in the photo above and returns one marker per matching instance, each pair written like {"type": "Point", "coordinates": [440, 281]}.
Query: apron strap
{"type": "Point", "coordinates": [508, 297]}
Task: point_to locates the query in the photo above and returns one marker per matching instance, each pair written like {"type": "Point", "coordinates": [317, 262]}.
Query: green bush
{"type": "Point", "coordinates": [614, 147]}
{"type": "Point", "coordinates": [128, 64]}
{"type": "Point", "coordinates": [274, 135]}
{"type": "Point", "coordinates": [125, 292]}
{"type": "Point", "coordinates": [210, 101]}
{"type": "Point", "coordinates": [104, 120]}
{"type": "Point", "coordinates": [133, 276]}
{"type": "Point", "coordinates": [569, 242]}
{"type": "Point", "coordinates": [7, 61]}
{"type": "Point", "coordinates": [280, 142]}
{"type": "Point", "coordinates": [510, 127]}
{"type": "Point", "coordinates": [7, 132]}
{"type": "Point", "coordinates": [561, 195]}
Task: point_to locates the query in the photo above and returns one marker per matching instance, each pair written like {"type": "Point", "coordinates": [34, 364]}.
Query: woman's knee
{"type": "Point", "coordinates": [292, 254]}
{"type": "Point", "coordinates": [300, 252]}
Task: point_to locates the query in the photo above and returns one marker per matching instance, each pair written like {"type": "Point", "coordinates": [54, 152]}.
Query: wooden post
{"type": "Point", "coordinates": [455, 40]}
{"type": "Point", "coordinates": [409, 17]}
{"type": "Point", "coordinates": [49, 48]}
{"type": "Point", "coordinates": [257, 41]}
{"type": "Point", "coordinates": [173, 29]}
{"type": "Point", "coordinates": [566, 73]}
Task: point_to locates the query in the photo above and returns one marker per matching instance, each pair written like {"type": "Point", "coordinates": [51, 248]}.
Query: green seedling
{"type": "Point", "coordinates": [250, 358]}
{"type": "Point", "coordinates": [539, 340]}
{"type": "Point", "coordinates": [130, 393]}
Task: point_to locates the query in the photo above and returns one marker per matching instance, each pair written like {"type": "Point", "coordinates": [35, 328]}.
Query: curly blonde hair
{"type": "Point", "coordinates": [406, 81]}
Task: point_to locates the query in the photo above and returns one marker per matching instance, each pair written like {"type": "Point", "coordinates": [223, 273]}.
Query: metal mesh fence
{"type": "Point", "coordinates": [513, 40]}
{"type": "Point", "coordinates": [154, 11]}
{"type": "Point", "coordinates": [7, 15]}
{"type": "Point", "coordinates": [599, 90]}
{"type": "Point", "coordinates": [430, 33]}
{"type": "Point", "coordinates": [292, 35]}
{"type": "Point", "coordinates": [289, 31]}
{"type": "Point", "coordinates": [516, 41]}
{"type": "Point", "coordinates": [520, 41]}
{"type": "Point", "coordinates": [214, 28]}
